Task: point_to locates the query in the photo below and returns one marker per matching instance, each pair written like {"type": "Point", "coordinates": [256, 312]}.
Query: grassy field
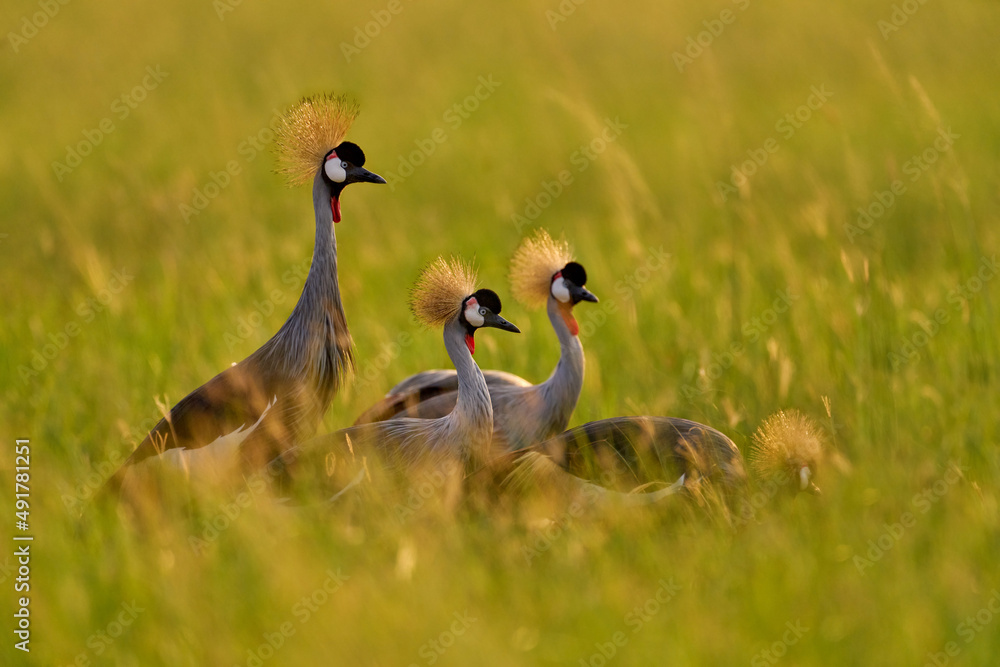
{"type": "Point", "coordinates": [707, 160]}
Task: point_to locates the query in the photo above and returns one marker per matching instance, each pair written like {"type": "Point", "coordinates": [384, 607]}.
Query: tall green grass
{"type": "Point", "coordinates": [657, 343]}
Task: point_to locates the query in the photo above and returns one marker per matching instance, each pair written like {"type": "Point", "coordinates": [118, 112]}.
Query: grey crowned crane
{"type": "Point", "coordinates": [254, 410]}
{"type": "Point", "coordinates": [445, 295]}
{"type": "Point", "coordinates": [542, 273]}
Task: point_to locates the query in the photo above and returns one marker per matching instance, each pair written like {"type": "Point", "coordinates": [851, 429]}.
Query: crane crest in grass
{"type": "Point", "coordinates": [542, 268]}
{"type": "Point", "coordinates": [273, 399]}
{"type": "Point", "coordinates": [788, 447]}
{"type": "Point", "coordinates": [310, 130]}
{"type": "Point", "coordinates": [445, 290]}
{"type": "Point", "coordinates": [439, 291]}
{"type": "Point", "coordinates": [535, 263]}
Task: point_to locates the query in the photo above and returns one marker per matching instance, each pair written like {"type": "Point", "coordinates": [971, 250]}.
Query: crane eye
{"type": "Point", "coordinates": [482, 311]}
{"type": "Point", "coordinates": [344, 165]}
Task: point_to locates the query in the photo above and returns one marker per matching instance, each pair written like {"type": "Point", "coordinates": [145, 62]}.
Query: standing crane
{"type": "Point", "coordinates": [445, 295]}
{"type": "Point", "coordinates": [542, 273]}
{"type": "Point", "coordinates": [254, 410]}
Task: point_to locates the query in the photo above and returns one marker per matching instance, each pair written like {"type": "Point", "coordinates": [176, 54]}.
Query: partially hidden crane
{"type": "Point", "coordinates": [626, 452]}
{"type": "Point", "coordinates": [251, 412]}
{"type": "Point", "coordinates": [542, 272]}
{"type": "Point", "coordinates": [787, 452]}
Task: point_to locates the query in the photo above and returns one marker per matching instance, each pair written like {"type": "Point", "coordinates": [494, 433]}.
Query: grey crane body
{"type": "Point", "coordinates": [441, 380]}
{"type": "Point", "coordinates": [314, 345]}
{"type": "Point", "coordinates": [629, 451]}
{"type": "Point", "coordinates": [463, 434]}
{"type": "Point", "coordinates": [276, 397]}
{"type": "Point", "coordinates": [610, 459]}
{"type": "Point", "coordinates": [457, 441]}
{"type": "Point", "coordinates": [524, 413]}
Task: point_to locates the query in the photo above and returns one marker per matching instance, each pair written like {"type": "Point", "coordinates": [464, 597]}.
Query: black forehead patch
{"type": "Point", "coordinates": [351, 152]}
{"type": "Point", "coordinates": [575, 273]}
{"type": "Point", "coordinates": [488, 299]}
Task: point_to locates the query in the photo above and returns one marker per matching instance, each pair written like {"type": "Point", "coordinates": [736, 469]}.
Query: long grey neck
{"type": "Point", "coordinates": [472, 418]}
{"type": "Point", "coordinates": [315, 342]}
{"type": "Point", "coordinates": [321, 293]}
{"type": "Point", "coordinates": [562, 390]}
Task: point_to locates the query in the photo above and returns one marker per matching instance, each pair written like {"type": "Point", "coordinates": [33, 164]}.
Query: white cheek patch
{"type": "Point", "coordinates": [472, 315]}
{"type": "Point", "coordinates": [804, 474]}
{"type": "Point", "coordinates": [335, 170]}
{"type": "Point", "coordinates": [559, 290]}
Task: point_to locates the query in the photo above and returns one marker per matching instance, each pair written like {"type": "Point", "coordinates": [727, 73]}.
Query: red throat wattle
{"type": "Point", "coordinates": [470, 343]}
{"type": "Point", "coordinates": [570, 321]}
{"type": "Point", "coordinates": [335, 208]}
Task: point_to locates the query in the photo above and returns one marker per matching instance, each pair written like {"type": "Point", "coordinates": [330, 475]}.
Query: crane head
{"type": "Point", "coordinates": [568, 289]}
{"type": "Point", "coordinates": [479, 310]}
{"type": "Point", "coordinates": [342, 166]}
{"type": "Point", "coordinates": [787, 450]}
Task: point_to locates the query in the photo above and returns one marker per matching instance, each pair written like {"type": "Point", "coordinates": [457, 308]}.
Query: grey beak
{"type": "Point", "coordinates": [582, 294]}
{"type": "Point", "coordinates": [497, 322]}
{"type": "Point", "coordinates": [362, 175]}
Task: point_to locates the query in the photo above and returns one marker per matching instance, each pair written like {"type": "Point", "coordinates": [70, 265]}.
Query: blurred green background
{"type": "Point", "coordinates": [113, 300]}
